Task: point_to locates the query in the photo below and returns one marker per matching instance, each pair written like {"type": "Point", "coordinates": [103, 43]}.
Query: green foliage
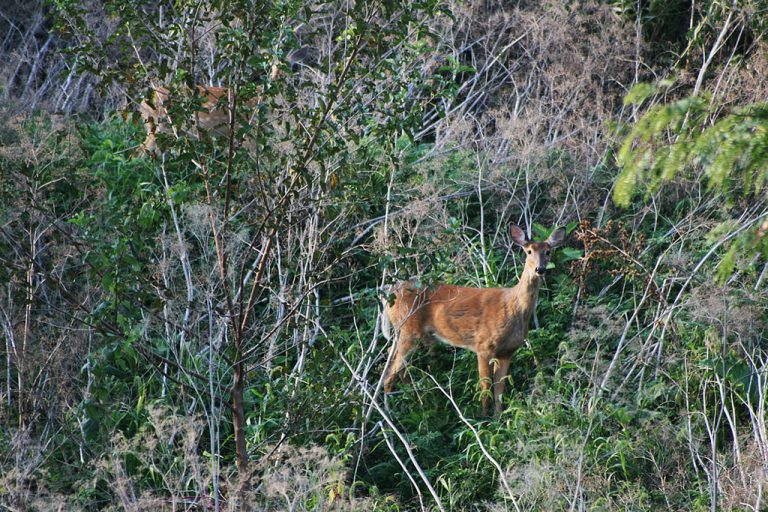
{"type": "Point", "coordinates": [671, 138]}
{"type": "Point", "coordinates": [136, 273]}
{"type": "Point", "coordinates": [689, 135]}
{"type": "Point", "coordinates": [554, 426]}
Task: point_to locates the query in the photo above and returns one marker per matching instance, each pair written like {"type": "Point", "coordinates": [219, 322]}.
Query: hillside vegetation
{"type": "Point", "coordinates": [197, 327]}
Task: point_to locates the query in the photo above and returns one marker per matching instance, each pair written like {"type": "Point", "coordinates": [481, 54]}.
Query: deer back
{"type": "Point", "coordinates": [492, 321]}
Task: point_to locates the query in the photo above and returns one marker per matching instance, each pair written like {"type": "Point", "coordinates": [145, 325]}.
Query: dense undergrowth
{"type": "Point", "coordinates": [149, 299]}
{"type": "Point", "coordinates": [602, 410]}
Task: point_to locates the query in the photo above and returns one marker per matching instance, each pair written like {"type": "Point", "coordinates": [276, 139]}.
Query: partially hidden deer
{"type": "Point", "coordinates": [213, 116]}
{"type": "Point", "coordinates": [492, 322]}
{"type": "Point", "coordinates": [213, 113]}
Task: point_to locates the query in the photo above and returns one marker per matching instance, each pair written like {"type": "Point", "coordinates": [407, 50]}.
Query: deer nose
{"type": "Point", "coordinates": [541, 270]}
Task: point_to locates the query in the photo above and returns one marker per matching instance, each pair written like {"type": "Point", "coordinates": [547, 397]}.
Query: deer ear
{"type": "Point", "coordinates": [556, 238]}
{"type": "Point", "coordinates": [518, 236]}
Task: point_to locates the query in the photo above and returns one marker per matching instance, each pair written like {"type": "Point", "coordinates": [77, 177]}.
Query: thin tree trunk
{"type": "Point", "coordinates": [21, 356]}
{"type": "Point", "coordinates": [238, 413]}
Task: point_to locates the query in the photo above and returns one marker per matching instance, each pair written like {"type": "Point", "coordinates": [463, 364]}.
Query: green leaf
{"type": "Point", "coordinates": [570, 254]}
{"type": "Point", "coordinates": [639, 93]}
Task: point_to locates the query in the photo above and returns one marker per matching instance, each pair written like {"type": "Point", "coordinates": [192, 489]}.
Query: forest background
{"type": "Point", "coordinates": [197, 328]}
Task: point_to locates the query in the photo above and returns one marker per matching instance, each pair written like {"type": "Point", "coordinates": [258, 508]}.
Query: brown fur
{"type": "Point", "coordinates": [214, 116]}
{"type": "Point", "coordinates": [492, 322]}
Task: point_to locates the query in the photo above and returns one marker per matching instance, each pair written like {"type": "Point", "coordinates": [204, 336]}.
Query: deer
{"type": "Point", "coordinates": [213, 113]}
{"type": "Point", "coordinates": [492, 322]}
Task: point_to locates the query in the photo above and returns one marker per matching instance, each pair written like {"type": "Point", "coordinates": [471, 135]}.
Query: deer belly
{"type": "Point", "coordinates": [454, 341]}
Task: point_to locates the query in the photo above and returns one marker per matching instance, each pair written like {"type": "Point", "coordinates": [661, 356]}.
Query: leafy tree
{"type": "Point", "coordinates": [730, 150]}
{"type": "Point", "coordinates": [257, 215]}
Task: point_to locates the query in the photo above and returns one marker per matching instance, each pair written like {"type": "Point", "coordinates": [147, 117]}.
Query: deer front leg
{"type": "Point", "coordinates": [400, 350]}
{"type": "Point", "coordinates": [499, 380]}
{"type": "Point", "coordinates": [484, 367]}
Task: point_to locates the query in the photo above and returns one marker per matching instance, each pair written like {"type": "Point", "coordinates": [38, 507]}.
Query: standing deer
{"type": "Point", "coordinates": [492, 322]}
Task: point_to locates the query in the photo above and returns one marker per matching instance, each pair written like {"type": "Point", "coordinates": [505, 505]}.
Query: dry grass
{"type": "Point", "coordinates": [743, 482]}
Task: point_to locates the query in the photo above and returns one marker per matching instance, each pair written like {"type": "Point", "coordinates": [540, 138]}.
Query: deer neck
{"type": "Point", "coordinates": [526, 292]}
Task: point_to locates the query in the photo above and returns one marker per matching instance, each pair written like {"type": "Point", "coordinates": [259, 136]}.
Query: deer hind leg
{"type": "Point", "coordinates": [484, 367]}
{"type": "Point", "coordinates": [402, 346]}
{"type": "Point", "coordinates": [499, 380]}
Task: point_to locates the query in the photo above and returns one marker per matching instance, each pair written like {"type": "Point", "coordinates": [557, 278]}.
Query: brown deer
{"type": "Point", "coordinates": [492, 322]}
{"type": "Point", "coordinates": [213, 116]}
